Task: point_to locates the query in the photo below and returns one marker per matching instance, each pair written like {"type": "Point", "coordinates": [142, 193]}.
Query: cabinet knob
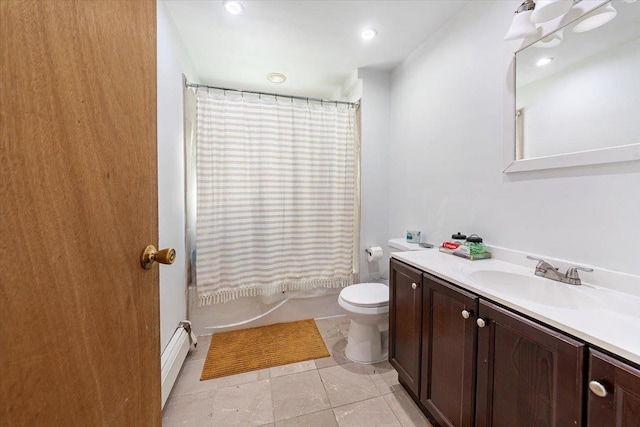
{"type": "Point", "coordinates": [414, 285]}
{"type": "Point", "coordinates": [466, 314]}
{"type": "Point", "coordinates": [597, 389]}
{"type": "Point", "coordinates": [481, 323]}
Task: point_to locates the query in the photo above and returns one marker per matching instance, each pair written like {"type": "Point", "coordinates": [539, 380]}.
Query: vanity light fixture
{"type": "Point", "coordinates": [521, 26]}
{"type": "Point", "coordinates": [234, 7]}
{"type": "Point", "coordinates": [546, 10]}
{"type": "Point", "coordinates": [544, 61]}
{"type": "Point", "coordinates": [552, 40]}
{"type": "Point", "coordinates": [596, 18]}
{"type": "Point", "coordinates": [368, 34]}
{"type": "Point", "coordinates": [531, 13]}
{"type": "Point", "coordinates": [276, 77]}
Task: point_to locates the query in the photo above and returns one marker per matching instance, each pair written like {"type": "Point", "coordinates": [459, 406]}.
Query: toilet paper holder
{"type": "Point", "coordinates": [374, 253]}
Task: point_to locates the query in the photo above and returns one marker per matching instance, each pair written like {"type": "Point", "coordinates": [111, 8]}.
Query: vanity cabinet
{"type": "Point", "coordinates": [527, 374]}
{"type": "Point", "coordinates": [614, 392]}
{"type": "Point", "coordinates": [448, 352]}
{"type": "Point", "coordinates": [469, 362]}
{"type": "Point", "coordinates": [405, 316]}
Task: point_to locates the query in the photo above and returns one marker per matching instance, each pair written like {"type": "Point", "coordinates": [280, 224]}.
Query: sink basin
{"type": "Point", "coordinates": [535, 289]}
{"type": "Point", "coordinates": [620, 304]}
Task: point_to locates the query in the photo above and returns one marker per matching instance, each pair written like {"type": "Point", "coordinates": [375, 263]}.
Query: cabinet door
{"type": "Point", "coordinates": [405, 315]}
{"type": "Point", "coordinates": [449, 333]}
{"type": "Point", "coordinates": [620, 407]}
{"type": "Point", "coordinates": [528, 375]}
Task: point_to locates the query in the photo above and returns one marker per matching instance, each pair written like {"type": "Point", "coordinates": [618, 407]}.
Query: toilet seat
{"type": "Point", "coordinates": [359, 310]}
{"type": "Point", "coordinates": [366, 295]}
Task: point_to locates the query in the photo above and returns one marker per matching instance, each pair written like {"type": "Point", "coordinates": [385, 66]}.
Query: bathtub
{"type": "Point", "coordinates": [249, 312]}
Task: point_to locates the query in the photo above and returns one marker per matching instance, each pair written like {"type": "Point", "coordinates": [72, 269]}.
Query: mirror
{"type": "Point", "coordinates": [578, 93]}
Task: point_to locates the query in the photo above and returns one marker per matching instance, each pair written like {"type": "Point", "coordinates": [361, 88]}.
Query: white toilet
{"type": "Point", "coordinates": [367, 305]}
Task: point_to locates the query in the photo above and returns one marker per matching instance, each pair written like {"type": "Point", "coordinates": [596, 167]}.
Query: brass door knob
{"type": "Point", "coordinates": [150, 255]}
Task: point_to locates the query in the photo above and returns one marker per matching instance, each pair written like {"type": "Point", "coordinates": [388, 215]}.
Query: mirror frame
{"type": "Point", "coordinates": [622, 153]}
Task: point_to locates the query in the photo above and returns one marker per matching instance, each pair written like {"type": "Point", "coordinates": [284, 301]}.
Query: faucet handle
{"type": "Point", "coordinates": [575, 267]}
{"type": "Point", "coordinates": [542, 264]}
{"type": "Point", "coordinates": [572, 274]}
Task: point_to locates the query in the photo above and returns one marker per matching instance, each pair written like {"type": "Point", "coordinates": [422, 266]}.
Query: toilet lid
{"type": "Point", "coordinates": [366, 294]}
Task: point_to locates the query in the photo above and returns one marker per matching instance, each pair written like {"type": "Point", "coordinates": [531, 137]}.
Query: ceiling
{"type": "Point", "coordinates": [316, 44]}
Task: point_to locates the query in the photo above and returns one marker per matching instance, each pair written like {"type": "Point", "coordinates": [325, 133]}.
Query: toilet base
{"type": "Point", "coordinates": [366, 344]}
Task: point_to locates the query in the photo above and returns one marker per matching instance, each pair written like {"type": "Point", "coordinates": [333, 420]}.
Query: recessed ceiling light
{"type": "Point", "coordinates": [234, 7]}
{"type": "Point", "coordinates": [276, 77]}
{"type": "Point", "coordinates": [368, 34]}
{"type": "Point", "coordinates": [543, 61]}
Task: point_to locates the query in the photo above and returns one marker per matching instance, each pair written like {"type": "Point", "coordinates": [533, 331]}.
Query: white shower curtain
{"type": "Point", "coordinates": [278, 195]}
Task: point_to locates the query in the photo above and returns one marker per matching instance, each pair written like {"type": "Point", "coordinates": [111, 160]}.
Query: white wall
{"type": "Point", "coordinates": [172, 63]}
{"type": "Point", "coordinates": [374, 199]}
{"type": "Point", "coordinates": [448, 115]}
{"type": "Point", "coordinates": [584, 107]}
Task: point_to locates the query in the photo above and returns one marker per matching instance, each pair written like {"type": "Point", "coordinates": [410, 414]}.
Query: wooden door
{"type": "Point", "coordinates": [447, 388]}
{"type": "Point", "coordinates": [405, 316]}
{"type": "Point", "coordinates": [527, 375]}
{"type": "Point", "coordinates": [620, 407]}
{"type": "Point", "coordinates": [79, 338]}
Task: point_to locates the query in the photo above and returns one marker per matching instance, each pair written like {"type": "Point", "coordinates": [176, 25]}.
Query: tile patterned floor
{"type": "Point", "coordinates": [327, 392]}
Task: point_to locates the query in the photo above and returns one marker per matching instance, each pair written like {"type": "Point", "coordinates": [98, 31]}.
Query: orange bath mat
{"type": "Point", "coordinates": [264, 347]}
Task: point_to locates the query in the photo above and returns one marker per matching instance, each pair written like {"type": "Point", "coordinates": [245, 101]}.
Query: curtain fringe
{"type": "Point", "coordinates": [223, 296]}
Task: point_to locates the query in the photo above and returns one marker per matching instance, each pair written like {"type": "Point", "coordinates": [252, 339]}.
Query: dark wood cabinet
{"type": "Point", "coordinates": [448, 352]}
{"type": "Point", "coordinates": [468, 362]}
{"type": "Point", "coordinates": [405, 317]}
{"type": "Point", "coordinates": [619, 405]}
{"type": "Point", "coordinates": [527, 374]}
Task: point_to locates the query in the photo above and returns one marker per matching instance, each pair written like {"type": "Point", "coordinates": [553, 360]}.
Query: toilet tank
{"type": "Point", "coordinates": [401, 245]}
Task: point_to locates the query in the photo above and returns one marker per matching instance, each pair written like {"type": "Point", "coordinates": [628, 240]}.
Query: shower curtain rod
{"type": "Point", "coordinates": [350, 104]}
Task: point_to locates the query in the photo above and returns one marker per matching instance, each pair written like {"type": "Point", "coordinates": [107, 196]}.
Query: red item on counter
{"type": "Point", "coordinates": [450, 245]}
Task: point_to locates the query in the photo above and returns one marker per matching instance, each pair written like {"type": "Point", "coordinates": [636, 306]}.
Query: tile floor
{"type": "Point", "coordinates": [327, 392]}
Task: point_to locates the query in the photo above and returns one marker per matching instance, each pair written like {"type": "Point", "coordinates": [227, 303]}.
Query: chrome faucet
{"type": "Point", "coordinates": [546, 270]}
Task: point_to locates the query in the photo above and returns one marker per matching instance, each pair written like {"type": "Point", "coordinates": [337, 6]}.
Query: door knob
{"type": "Point", "coordinates": [150, 255]}
{"type": "Point", "coordinates": [481, 323]}
{"type": "Point", "coordinates": [466, 314]}
{"type": "Point", "coordinates": [414, 285]}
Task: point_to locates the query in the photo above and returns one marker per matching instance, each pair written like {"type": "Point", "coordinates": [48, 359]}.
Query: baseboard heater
{"type": "Point", "coordinates": [172, 359]}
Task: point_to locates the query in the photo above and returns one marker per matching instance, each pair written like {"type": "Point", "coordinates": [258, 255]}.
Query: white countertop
{"type": "Point", "coordinates": [602, 316]}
